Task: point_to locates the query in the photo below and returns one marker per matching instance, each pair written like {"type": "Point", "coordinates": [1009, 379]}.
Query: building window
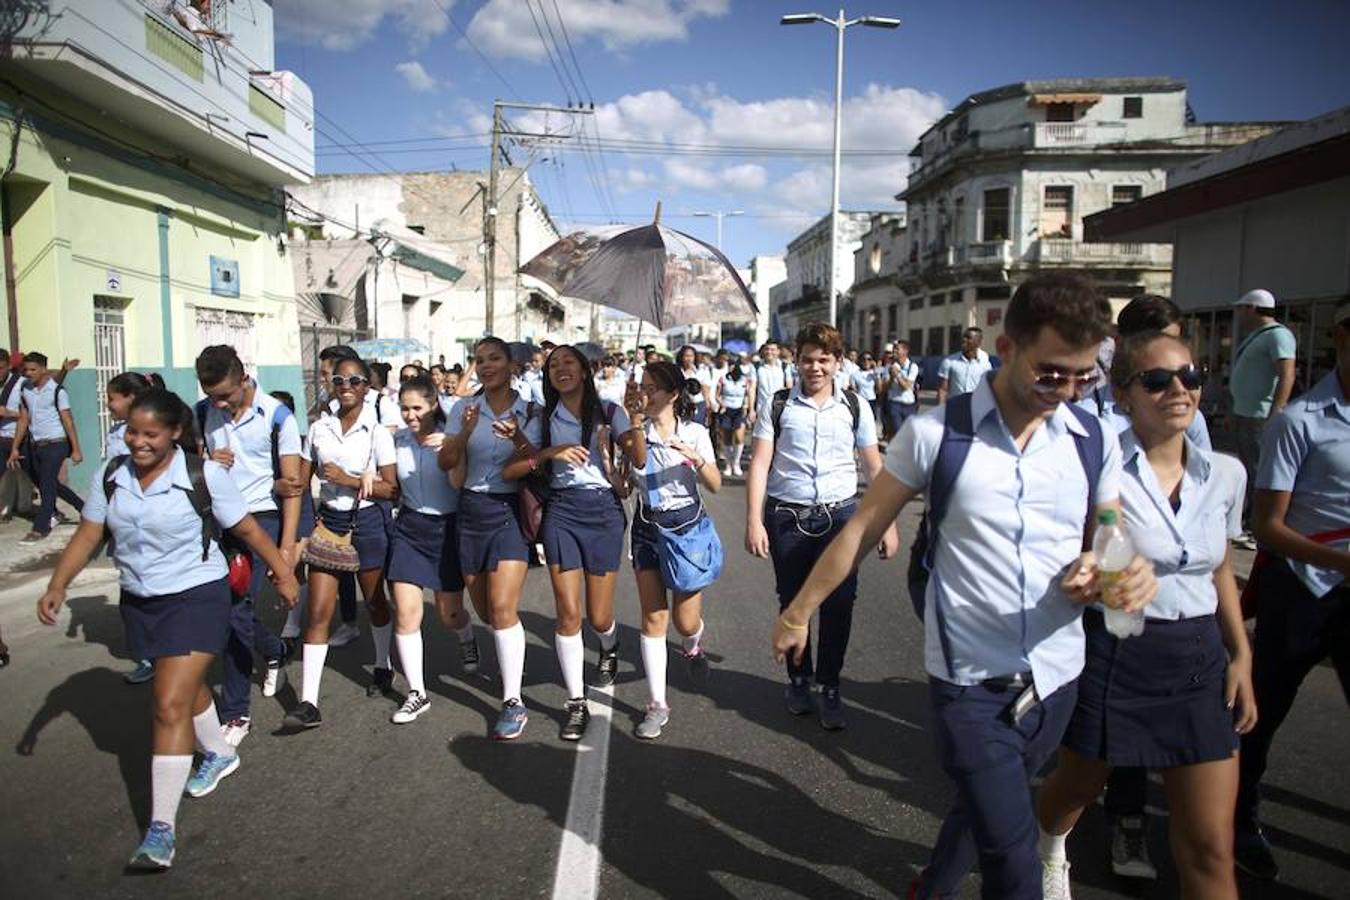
{"type": "Point", "coordinates": [934, 347]}
{"type": "Point", "coordinates": [1123, 194]}
{"type": "Point", "coordinates": [237, 329]}
{"type": "Point", "coordinates": [874, 259]}
{"type": "Point", "coordinates": [1059, 112]}
{"type": "Point", "coordinates": [956, 298]}
{"type": "Point", "coordinates": [1133, 108]}
{"type": "Point", "coordinates": [954, 337]}
{"type": "Point", "coordinates": [1057, 211]}
{"type": "Point", "coordinates": [892, 318]}
{"type": "Point", "coordinates": [916, 303]}
{"type": "Point", "coordinates": [997, 209]}
{"type": "Point", "coordinates": [110, 351]}
{"type": "Point", "coordinates": [916, 342]}
{"type": "Point", "coordinates": [937, 300]}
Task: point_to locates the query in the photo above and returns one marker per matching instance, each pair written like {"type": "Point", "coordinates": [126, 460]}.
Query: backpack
{"type": "Point", "coordinates": [200, 495]}
{"type": "Point", "coordinates": [10, 384]}
{"type": "Point", "coordinates": [958, 434]}
{"type": "Point", "coordinates": [279, 417]}
{"type": "Point", "coordinates": [780, 399]}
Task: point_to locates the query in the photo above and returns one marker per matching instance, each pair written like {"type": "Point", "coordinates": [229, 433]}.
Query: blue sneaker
{"type": "Point", "coordinates": [155, 854]}
{"type": "Point", "coordinates": [212, 769]}
{"type": "Point", "coordinates": [144, 671]}
{"type": "Point", "coordinates": [511, 722]}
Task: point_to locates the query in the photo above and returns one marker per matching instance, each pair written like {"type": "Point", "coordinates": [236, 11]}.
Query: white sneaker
{"type": "Point", "coordinates": [344, 635]}
{"type": "Point", "coordinates": [236, 730]}
{"type": "Point", "coordinates": [1245, 541]}
{"type": "Point", "coordinates": [1055, 879]}
{"type": "Point", "coordinates": [736, 470]}
{"type": "Point", "coordinates": [726, 470]}
{"type": "Point", "coordinates": [412, 707]}
{"type": "Point", "coordinates": [274, 676]}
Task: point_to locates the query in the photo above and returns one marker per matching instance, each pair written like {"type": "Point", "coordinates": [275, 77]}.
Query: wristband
{"type": "Point", "coordinates": [791, 626]}
{"type": "Point", "coordinates": [534, 463]}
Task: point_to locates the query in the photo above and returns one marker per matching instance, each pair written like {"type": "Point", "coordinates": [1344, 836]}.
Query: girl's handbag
{"type": "Point", "coordinates": [331, 551]}
{"type": "Point", "coordinates": [691, 554]}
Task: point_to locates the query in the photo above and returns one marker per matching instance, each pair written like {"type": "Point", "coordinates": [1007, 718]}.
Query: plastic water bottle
{"type": "Point", "coordinates": [1114, 550]}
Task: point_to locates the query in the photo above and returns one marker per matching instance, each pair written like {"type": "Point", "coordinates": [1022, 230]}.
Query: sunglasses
{"type": "Point", "coordinates": [349, 380]}
{"type": "Point", "coordinates": [1155, 381]}
{"type": "Point", "coordinates": [1051, 382]}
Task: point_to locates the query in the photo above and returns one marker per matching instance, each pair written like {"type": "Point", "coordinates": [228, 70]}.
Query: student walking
{"type": "Point", "coordinates": [963, 371]}
{"type": "Point", "coordinates": [353, 457]}
{"type": "Point", "coordinates": [801, 490]}
{"type": "Point", "coordinates": [255, 437]}
{"type": "Point", "coordinates": [583, 524]}
{"type": "Point", "coordinates": [900, 385]}
{"type": "Point", "coordinates": [493, 554]}
{"type": "Point", "coordinates": [700, 400]}
{"type": "Point", "coordinates": [733, 398]}
{"type": "Point", "coordinates": [1176, 697]}
{"type": "Point", "coordinates": [45, 419]}
{"type": "Point", "coordinates": [1005, 575]}
{"type": "Point", "coordinates": [679, 458]}
{"type": "Point", "coordinates": [164, 508]}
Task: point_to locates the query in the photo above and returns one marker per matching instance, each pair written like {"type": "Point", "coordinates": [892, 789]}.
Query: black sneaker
{"type": "Point", "coordinates": [608, 667]}
{"type": "Point", "coordinates": [468, 656]}
{"type": "Point", "coordinates": [578, 717]}
{"type": "Point", "coordinates": [797, 696]}
{"type": "Point", "coordinates": [1251, 852]}
{"type": "Point", "coordinates": [381, 682]}
{"type": "Point", "coordinates": [831, 709]}
{"type": "Point", "coordinates": [306, 715]}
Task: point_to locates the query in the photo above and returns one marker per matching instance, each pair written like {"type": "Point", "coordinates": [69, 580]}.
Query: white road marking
{"type": "Point", "coordinates": [577, 876]}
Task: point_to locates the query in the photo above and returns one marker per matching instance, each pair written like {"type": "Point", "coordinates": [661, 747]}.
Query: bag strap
{"type": "Point", "coordinates": [1091, 448]}
{"type": "Point", "coordinates": [780, 399]}
{"type": "Point", "coordinates": [279, 416]}
{"type": "Point", "coordinates": [110, 474]}
{"type": "Point", "coordinates": [201, 408]}
{"type": "Point", "coordinates": [958, 435]}
{"type": "Point", "coordinates": [1247, 341]}
{"type": "Point", "coordinates": [200, 496]}
{"type": "Point", "coordinates": [10, 383]}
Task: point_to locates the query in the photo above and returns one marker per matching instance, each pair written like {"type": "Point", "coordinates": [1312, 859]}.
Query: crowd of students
{"type": "Point", "coordinates": [447, 482]}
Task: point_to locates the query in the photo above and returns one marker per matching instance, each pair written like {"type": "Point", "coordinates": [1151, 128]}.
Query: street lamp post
{"type": "Point", "coordinates": [719, 215]}
{"type": "Point", "coordinates": [840, 24]}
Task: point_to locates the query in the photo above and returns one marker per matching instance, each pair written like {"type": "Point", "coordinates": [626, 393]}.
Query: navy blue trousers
{"type": "Point", "coordinates": [796, 540]}
{"type": "Point", "coordinates": [47, 460]}
{"type": "Point", "coordinates": [991, 761]}
{"type": "Point", "coordinates": [248, 635]}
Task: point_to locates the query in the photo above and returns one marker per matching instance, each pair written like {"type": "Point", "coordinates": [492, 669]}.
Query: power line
{"type": "Point", "coordinates": [548, 51]}
{"type": "Point", "coordinates": [479, 53]}
{"type": "Point", "coordinates": [572, 51]}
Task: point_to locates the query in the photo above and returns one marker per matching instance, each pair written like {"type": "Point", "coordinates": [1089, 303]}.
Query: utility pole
{"type": "Point", "coordinates": [490, 198]}
{"type": "Point", "coordinates": [719, 215]}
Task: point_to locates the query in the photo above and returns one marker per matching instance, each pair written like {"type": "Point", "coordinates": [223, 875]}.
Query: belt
{"type": "Point", "coordinates": [47, 442]}
{"type": "Point", "coordinates": [1008, 682]}
{"type": "Point", "coordinates": [812, 507]}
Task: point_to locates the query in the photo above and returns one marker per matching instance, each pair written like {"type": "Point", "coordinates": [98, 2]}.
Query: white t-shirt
{"type": "Point", "coordinates": [664, 483]}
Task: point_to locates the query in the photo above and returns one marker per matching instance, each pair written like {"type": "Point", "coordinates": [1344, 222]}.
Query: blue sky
{"type": "Point", "coordinates": [400, 78]}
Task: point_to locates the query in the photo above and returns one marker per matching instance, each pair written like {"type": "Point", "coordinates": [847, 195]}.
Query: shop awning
{"type": "Point", "coordinates": [1047, 99]}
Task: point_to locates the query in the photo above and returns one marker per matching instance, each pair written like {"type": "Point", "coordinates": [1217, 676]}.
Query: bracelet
{"type": "Point", "coordinates": [790, 625]}
{"type": "Point", "coordinates": [534, 463]}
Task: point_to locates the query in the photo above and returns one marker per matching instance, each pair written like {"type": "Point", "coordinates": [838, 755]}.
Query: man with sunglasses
{"type": "Point", "coordinates": [1009, 577]}
{"type": "Point", "coordinates": [1301, 516]}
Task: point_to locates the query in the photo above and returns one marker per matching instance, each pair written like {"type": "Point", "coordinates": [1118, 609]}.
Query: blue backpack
{"type": "Point", "coordinates": [958, 434]}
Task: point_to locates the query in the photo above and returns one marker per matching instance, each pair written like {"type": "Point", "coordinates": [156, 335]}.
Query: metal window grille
{"type": "Point", "coordinates": [220, 326]}
{"type": "Point", "coordinates": [109, 349]}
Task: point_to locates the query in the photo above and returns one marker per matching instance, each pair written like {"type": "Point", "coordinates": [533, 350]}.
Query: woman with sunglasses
{"type": "Point", "coordinates": [353, 457]}
{"type": "Point", "coordinates": [493, 554]}
{"type": "Point", "coordinates": [1176, 697]}
{"type": "Point", "coordinates": [679, 458]}
{"type": "Point", "coordinates": [582, 530]}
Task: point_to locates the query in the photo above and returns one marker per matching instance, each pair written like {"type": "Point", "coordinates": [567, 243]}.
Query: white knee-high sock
{"type": "Point", "coordinates": [168, 777]}
{"type": "Point", "coordinates": [382, 635]}
{"type": "Point", "coordinates": [608, 638]}
{"type": "Point", "coordinates": [410, 655]}
{"type": "Point", "coordinates": [571, 658]}
{"type": "Point", "coordinates": [206, 726]}
{"type": "Point", "coordinates": [510, 658]}
{"type": "Point", "coordinates": [654, 664]}
{"type": "Point", "coordinates": [691, 643]}
{"type": "Point", "coordinates": [1051, 846]}
{"type": "Point", "coordinates": [312, 657]}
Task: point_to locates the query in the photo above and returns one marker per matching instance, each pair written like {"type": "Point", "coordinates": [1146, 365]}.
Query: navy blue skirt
{"type": "Point", "coordinates": [731, 419]}
{"type": "Point", "coordinates": [643, 539]}
{"type": "Point", "coordinates": [195, 620]}
{"type": "Point", "coordinates": [1156, 700]}
{"type": "Point", "coordinates": [583, 529]}
{"type": "Point", "coordinates": [489, 531]}
{"type": "Point", "coordinates": [699, 414]}
{"type": "Point", "coordinates": [424, 551]}
{"type": "Point", "coordinates": [371, 539]}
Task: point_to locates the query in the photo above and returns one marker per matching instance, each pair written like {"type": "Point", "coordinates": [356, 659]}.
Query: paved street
{"type": "Point", "coordinates": [737, 799]}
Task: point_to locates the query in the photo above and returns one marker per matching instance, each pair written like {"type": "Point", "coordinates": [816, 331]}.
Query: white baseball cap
{"type": "Point", "coordinates": [1261, 299]}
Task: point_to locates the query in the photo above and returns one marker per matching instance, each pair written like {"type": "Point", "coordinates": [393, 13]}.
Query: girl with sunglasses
{"type": "Point", "coordinates": [679, 456]}
{"type": "Point", "coordinates": [1176, 697]}
{"type": "Point", "coordinates": [582, 529]}
{"type": "Point", "coordinates": [353, 457]}
{"type": "Point", "coordinates": [493, 554]}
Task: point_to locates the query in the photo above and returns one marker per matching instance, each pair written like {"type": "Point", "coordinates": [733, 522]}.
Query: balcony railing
{"type": "Point", "coordinates": [985, 253]}
{"type": "Point", "coordinates": [1078, 134]}
{"type": "Point", "coordinates": [1055, 251]}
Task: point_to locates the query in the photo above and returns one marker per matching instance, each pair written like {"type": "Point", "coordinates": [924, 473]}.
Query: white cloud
{"type": "Point", "coordinates": [417, 77]}
{"type": "Point", "coordinates": [505, 28]}
{"type": "Point", "coordinates": [745, 177]}
{"type": "Point", "coordinates": [344, 24]}
{"type": "Point", "coordinates": [625, 181]}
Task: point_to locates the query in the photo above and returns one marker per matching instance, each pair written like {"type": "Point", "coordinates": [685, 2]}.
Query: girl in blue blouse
{"type": "Point", "coordinates": [175, 599]}
{"type": "Point", "coordinates": [1176, 697]}
{"type": "Point", "coordinates": [121, 392]}
{"type": "Point", "coordinates": [583, 526]}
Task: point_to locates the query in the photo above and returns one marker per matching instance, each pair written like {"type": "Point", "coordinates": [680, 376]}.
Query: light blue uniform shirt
{"type": "Point", "coordinates": [486, 454]}
{"type": "Point", "coordinates": [772, 378]}
{"type": "Point", "coordinates": [1305, 450]}
{"type": "Point", "coordinates": [157, 535]}
{"type": "Point", "coordinates": [250, 439]}
{"type": "Point", "coordinates": [423, 486]}
{"type": "Point", "coordinates": [865, 383]}
{"type": "Point", "coordinates": [909, 370]}
{"type": "Point", "coordinates": [611, 389]}
{"type": "Point", "coordinates": [534, 385]}
{"type": "Point", "coordinates": [1187, 545]}
{"type": "Point", "coordinates": [44, 406]}
{"type": "Point", "coordinates": [116, 442]}
{"type": "Point", "coordinates": [1256, 369]}
{"type": "Point", "coordinates": [813, 460]}
{"type": "Point", "coordinates": [564, 428]}
{"type": "Point", "coordinates": [1102, 404]}
{"type": "Point", "coordinates": [734, 391]}
{"type": "Point", "coordinates": [964, 374]}
{"type": "Point", "coordinates": [12, 403]}
{"type": "Point", "coordinates": [1014, 522]}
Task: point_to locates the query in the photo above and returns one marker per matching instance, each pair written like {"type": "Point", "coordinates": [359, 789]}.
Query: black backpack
{"type": "Point", "coordinates": [780, 399]}
{"type": "Point", "coordinates": [279, 416]}
{"type": "Point", "coordinates": [200, 495]}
